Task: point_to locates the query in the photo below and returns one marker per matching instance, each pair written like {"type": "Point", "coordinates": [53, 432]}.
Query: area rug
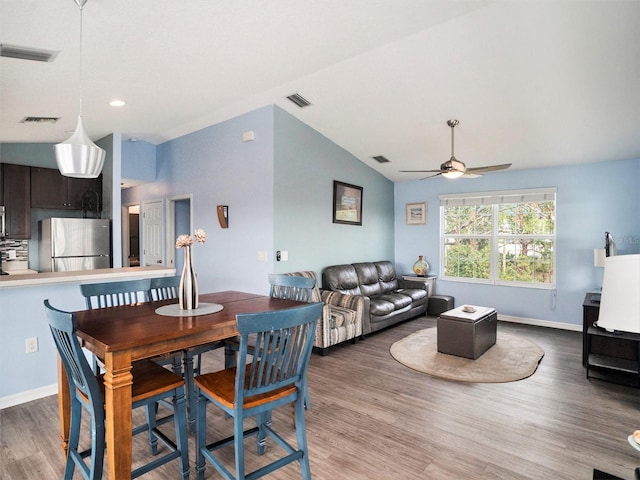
{"type": "Point", "coordinates": [511, 358]}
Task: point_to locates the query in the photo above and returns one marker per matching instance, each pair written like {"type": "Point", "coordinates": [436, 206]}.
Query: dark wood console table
{"type": "Point", "coordinates": [614, 355]}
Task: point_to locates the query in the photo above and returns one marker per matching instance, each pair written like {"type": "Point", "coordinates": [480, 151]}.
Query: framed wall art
{"type": "Point", "coordinates": [347, 203]}
{"type": "Point", "coordinates": [416, 213]}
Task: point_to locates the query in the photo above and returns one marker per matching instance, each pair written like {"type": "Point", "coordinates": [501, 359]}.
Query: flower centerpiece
{"type": "Point", "coordinates": [188, 291]}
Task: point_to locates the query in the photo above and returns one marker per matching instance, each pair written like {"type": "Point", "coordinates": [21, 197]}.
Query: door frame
{"type": "Point", "coordinates": [170, 215]}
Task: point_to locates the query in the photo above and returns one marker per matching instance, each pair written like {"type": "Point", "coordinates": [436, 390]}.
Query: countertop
{"type": "Point", "coordinates": [84, 276]}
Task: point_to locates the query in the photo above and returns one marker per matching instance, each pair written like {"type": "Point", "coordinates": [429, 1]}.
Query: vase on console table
{"type": "Point", "coordinates": [421, 267]}
{"type": "Point", "coordinates": [188, 291]}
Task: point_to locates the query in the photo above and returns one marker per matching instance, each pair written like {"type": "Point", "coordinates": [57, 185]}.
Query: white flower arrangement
{"type": "Point", "coordinates": [185, 240]}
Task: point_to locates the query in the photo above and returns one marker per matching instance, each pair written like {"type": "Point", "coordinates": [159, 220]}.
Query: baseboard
{"type": "Point", "coordinates": [28, 396]}
{"type": "Point", "coordinates": [540, 323]}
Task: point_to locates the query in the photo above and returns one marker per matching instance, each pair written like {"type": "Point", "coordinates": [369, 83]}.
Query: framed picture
{"type": "Point", "coordinates": [416, 213]}
{"type": "Point", "coordinates": [347, 203]}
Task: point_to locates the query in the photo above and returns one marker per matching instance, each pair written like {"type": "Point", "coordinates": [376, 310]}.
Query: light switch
{"type": "Point", "coordinates": [284, 255]}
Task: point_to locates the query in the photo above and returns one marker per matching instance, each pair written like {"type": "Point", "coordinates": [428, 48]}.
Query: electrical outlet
{"type": "Point", "coordinates": [31, 345]}
{"type": "Point", "coordinates": [284, 256]}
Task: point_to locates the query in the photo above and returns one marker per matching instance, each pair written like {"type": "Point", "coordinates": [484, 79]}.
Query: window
{"type": "Point", "coordinates": [505, 238]}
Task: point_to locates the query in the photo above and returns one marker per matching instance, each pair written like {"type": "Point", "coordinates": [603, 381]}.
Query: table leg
{"type": "Point", "coordinates": [117, 381]}
{"type": "Point", "coordinates": [64, 407]}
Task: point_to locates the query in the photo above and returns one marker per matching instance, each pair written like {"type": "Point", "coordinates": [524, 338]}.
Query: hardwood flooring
{"type": "Point", "coordinates": [373, 418]}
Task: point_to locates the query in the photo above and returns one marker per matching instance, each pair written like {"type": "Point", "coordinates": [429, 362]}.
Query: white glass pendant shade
{"type": "Point", "coordinates": [78, 156]}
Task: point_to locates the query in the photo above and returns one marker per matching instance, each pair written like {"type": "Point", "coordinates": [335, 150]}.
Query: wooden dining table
{"type": "Point", "coordinates": [121, 335]}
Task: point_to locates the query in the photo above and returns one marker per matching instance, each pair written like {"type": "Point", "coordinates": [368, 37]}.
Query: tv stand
{"type": "Point", "coordinates": [611, 356]}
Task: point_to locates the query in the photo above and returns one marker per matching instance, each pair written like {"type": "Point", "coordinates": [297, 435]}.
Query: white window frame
{"type": "Point", "coordinates": [495, 199]}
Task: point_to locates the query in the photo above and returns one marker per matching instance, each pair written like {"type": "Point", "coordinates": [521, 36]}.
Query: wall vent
{"type": "Point", "coordinates": [381, 159]}
{"type": "Point", "coordinates": [39, 119]}
{"type": "Point", "coordinates": [299, 100]}
{"type": "Point", "coordinates": [27, 53]}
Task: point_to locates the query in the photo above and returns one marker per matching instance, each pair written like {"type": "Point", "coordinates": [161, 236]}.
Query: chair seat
{"type": "Point", "coordinates": [149, 379]}
{"type": "Point", "coordinates": [221, 386]}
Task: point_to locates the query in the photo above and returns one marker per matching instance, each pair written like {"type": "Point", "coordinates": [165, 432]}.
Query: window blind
{"type": "Point", "coordinates": [492, 198]}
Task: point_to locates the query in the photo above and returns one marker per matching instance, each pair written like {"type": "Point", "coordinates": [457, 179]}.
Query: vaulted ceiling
{"type": "Point", "coordinates": [533, 83]}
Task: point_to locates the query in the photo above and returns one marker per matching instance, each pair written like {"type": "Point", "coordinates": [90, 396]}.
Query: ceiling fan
{"type": "Point", "coordinates": [454, 168]}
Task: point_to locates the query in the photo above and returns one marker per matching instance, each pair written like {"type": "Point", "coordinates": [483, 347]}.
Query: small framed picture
{"type": "Point", "coordinates": [347, 203]}
{"type": "Point", "coordinates": [416, 213]}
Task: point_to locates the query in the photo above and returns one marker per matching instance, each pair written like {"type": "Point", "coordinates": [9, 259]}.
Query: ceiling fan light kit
{"type": "Point", "coordinates": [454, 168]}
{"type": "Point", "coordinates": [78, 156]}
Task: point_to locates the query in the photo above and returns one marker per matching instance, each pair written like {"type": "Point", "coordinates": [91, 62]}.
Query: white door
{"type": "Point", "coordinates": [153, 251]}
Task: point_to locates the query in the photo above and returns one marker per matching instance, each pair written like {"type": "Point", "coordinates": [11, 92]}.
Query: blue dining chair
{"type": "Point", "coordinates": [131, 292]}
{"type": "Point", "coordinates": [277, 376]}
{"type": "Point", "coordinates": [290, 287]}
{"type": "Point", "coordinates": [166, 288]}
{"type": "Point", "coordinates": [151, 383]}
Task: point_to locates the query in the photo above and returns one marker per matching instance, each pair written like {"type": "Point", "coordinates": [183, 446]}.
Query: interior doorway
{"type": "Point", "coordinates": [131, 235]}
{"type": "Point", "coordinates": [179, 221]}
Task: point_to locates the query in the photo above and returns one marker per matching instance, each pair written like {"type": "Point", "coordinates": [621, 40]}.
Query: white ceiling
{"type": "Point", "coordinates": [534, 83]}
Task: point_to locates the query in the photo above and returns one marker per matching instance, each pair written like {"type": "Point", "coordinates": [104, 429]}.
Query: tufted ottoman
{"type": "Point", "coordinates": [467, 334]}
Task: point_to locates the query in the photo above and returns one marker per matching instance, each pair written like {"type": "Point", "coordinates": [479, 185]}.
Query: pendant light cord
{"type": "Point", "coordinates": [80, 5]}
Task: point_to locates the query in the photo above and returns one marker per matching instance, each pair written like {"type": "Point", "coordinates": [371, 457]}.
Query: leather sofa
{"type": "Point", "coordinates": [341, 316]}
{"type": "Point", "coordinates": [387, 298]}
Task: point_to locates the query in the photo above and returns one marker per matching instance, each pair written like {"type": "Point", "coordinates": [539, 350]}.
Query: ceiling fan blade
{"type": "Point", "coordinates": [489, 168]}
{"type": "Point", "coordinates": [469, 174]}
{"type": "Point", "coordinates": [420, 171]}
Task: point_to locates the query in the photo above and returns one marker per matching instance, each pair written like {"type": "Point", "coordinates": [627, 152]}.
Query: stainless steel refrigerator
{"type": "Point", "coordinates": [71, 244]}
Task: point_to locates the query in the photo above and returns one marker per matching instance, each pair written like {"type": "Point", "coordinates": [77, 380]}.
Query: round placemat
{"type": "Point", "coordinates": [175, 311]}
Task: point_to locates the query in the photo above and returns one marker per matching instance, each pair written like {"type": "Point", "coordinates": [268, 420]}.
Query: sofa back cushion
{"type": "Point", "coordinates": [341, 278]}
{"type": "Point", "coordinates": [368, 279]}
{"type": "Point", "coordinates": [386, 276]}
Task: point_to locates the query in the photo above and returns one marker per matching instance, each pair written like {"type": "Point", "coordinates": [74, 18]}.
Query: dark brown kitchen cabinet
{"type": "Point", "coordinates": [50, 189]}
{"type": "Point", "coordinates": [16, 190]}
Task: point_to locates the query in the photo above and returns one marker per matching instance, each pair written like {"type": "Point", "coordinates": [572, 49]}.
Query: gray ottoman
{"type": "Point", "coordinates": [467, 334]}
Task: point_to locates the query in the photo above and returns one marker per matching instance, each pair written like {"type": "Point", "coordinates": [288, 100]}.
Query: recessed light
{"type": "Point", "coordinates": [117, 103]}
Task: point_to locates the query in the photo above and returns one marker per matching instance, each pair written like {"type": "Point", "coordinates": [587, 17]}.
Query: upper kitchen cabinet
{"type": "Point", "coordinates": [16, 192]}
{"type": "Point", "coordinates": [50, 189]}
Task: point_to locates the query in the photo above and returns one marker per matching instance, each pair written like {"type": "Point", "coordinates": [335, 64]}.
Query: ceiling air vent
{"type": "Point", "coordinates": [299, 100]}
{"type": "Point", "coordinates": [381, 159]}
{"type": "Point", "coordinates": [27, 53]}
{"type": "Point", "coordinates": [39, 119]}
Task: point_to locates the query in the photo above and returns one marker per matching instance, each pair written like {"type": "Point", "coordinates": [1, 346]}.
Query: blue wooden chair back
{"type": "Point", "coordinates": [283, 343]}
{"type": "Point", "coordinates": [113, 294]}
{"type": "Point", "coordinates": [292, 288]}
{"type": "Point", "coordinates": [164, 288]}
{"type": "Point", "coordinates": [81, 379]}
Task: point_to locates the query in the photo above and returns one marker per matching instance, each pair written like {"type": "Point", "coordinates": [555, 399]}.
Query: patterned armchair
{"type": "Point", "coordinates": [341, 316]}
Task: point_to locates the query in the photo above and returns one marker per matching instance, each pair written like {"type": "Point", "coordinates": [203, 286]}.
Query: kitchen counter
{"type": "Point", "coordinates": [84, 276]}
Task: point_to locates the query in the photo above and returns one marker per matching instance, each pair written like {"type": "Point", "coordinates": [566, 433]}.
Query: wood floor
{"type": "Point", "coordinates": [373, 418]}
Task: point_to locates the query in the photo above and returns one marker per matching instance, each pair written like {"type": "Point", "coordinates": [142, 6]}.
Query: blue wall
{"type": "Point", "coordinates": [591, 199]}
{"type": "Point", "coordinates": [306, 164]}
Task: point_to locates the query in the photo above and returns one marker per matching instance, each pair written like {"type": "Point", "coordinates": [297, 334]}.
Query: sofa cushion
{"type": "Point", "coordinates": [416, 294]}
{"type": "Point", "coordinates": [386, 276]}
{"type": "Point", "coordinates": [380, 307]}
{"type": "Point", "coordinates": [341, 278]}
{"type": "Point", "coordinates": [368, 279]}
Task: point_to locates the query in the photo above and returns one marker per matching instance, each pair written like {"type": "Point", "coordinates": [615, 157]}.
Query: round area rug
{"type": "Point", "coordinates": [511, 358]}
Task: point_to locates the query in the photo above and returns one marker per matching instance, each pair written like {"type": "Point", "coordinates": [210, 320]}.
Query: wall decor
{"type": "Point", "coordinates": [347, 203]}
{"type": "Point", "coordinates": [416, 213]}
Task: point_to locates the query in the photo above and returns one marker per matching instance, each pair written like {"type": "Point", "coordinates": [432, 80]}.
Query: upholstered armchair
{"type": "Point", "coordinates": [341, 316]}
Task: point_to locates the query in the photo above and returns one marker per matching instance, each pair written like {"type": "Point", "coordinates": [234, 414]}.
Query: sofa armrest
{"type": "Point", "coordinates": [357, 303]}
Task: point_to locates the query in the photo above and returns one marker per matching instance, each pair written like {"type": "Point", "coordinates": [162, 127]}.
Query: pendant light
{"type": "Point", "coordinates": [78, 156]}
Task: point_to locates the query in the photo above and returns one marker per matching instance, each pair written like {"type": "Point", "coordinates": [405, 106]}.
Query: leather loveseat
{"type": "Point", "coordinates": [387, 299]}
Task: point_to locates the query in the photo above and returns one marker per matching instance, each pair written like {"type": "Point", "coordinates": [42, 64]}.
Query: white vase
{"type": "Point", "coordinates": [188, 292]}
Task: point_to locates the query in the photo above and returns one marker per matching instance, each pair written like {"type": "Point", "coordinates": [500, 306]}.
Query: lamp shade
{"type": "Point", "coordinates": [598, 257]}
{"type": "Point", "coordinates": [78, 156]}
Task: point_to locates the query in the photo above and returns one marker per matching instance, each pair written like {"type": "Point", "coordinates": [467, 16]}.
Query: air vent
{"type": "Point", "coordinates": [39, 119]}
{"type": "Point", "coordinates": [299, 100]}
{"type": "Point", "coordinates": [381, 159]}
{"type": "Point", "coordinates": [27, 53]}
